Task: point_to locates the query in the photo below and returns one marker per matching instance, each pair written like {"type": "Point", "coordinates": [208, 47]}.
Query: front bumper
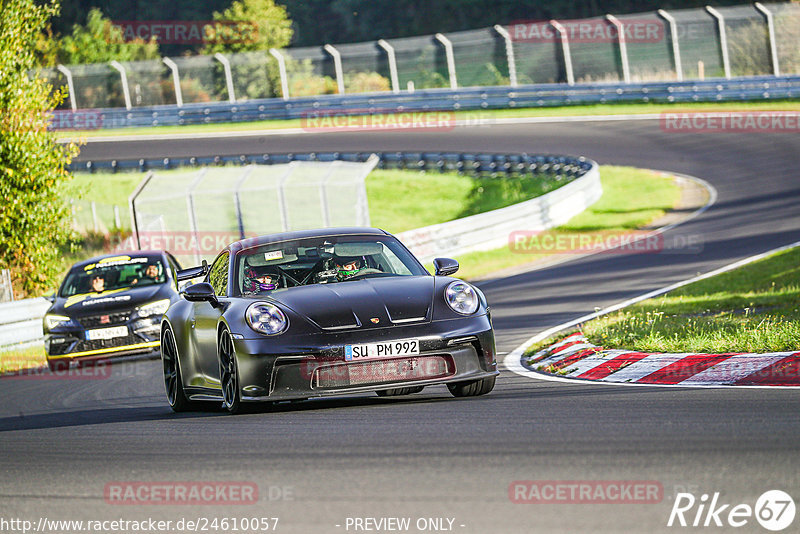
{"type": "Point", "coordinates": [70, 344]}
{"type": "Point", "coordinates": [314, 366]}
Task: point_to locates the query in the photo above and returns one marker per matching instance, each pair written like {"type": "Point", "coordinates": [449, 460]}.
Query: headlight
{"type": "Point", "coordinates": [54, 321]}
{"type": "Point", "coordinates": [461, 297]}
{"type": "Point", "coordinates": [266, 318]}
{"type": "Point", "coordinates": [158, 307]}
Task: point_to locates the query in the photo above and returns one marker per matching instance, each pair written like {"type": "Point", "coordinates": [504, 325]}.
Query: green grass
{"type": "Point", "coordinates": [755, 308]}
{"type": "Point", "coordinates": [14, 360]}
{"type": "Point", "coordinates": [632, 198]}
{"type": "Point", "coordinates": [561, 111]}
{"type": "Point", "coordinates": [405, 200]}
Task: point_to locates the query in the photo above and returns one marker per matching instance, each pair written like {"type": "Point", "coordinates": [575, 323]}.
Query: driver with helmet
{"type": "Point", "coordinates": [259, 281]}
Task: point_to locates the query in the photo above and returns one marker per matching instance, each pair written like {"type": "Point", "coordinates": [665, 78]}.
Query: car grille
{"type": "Point", "coordinates": [107, 319]}
{"type": "Point", "coordinates": [98, 344]}
{"type": "Point", "coordinates": [383, 371]}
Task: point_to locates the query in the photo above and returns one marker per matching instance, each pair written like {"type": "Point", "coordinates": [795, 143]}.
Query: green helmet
{"type": "Point", "coordinates": [347, 267]}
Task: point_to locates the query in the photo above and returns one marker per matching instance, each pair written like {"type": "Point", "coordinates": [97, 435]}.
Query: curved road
{"type": "Point", "coordinates": [320, 462]}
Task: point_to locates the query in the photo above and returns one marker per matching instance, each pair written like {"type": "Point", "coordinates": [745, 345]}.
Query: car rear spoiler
{"type": "Point", "coordinates": [192, 272]}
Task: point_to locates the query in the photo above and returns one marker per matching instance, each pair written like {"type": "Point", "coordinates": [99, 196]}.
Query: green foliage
{"type": "Point", "coordinates": [264, 25]}
{"type": "Point", "coordinates": [33, 219]}
{"type": "Point", "coordinates": [751, 309]}
{"type": "Point", "coordinates": [100, 41]}
{"type": "Point", "coordinates": [366, 82]}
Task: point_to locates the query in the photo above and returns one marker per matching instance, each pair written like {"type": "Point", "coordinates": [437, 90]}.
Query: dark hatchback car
{"type": "Point", "coordinates": [324, 312]}
{"type": "Point", "coordinates": [110, 306]}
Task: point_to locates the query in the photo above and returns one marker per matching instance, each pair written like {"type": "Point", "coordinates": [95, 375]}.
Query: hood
{"type": "Point", "coordinates": [85, 304]}
{"type": "Point", "coordinates": [367, 303]}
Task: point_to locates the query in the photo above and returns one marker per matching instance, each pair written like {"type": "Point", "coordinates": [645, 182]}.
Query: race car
{"type": "Point", "coordinates": [109, 306]}
{"type": "Point", "coordinates": [316, 313]}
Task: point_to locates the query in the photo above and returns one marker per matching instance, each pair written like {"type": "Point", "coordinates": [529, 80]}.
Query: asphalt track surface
{"type": "Point", "coordinates": [62, 441]}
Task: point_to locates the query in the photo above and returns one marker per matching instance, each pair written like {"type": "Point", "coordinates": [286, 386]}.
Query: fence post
{"type": "Point", "coordinates": [562, 32]}
{"type": "Point", "coordinates": [676, 49]}
{"type": "Point", "coordinates": [237, 203]}
{"type": "Point", "coordinates": [226, 66]}
{"type": "Point", "coordinates": [123, 76]}
{"type": "Point", "coordinates": [337, 66]}
{"type": "Point", "coordinates": [70, 86]}
{"type": "Point", "coordinates": [623, 47]}
{"type": "Point", "coordinates": [512, 63]}
{"type": "Point", "coordinates": [132, 206]}
{"type": "Point", "coordinates": [773, 43]}
{"type": "Point", "coordinates": [723, 39]}
{"type": "Point", "coordinates": [282, 70]}
{"type": "Point", "coordinates": [392, 64]}
{"type": "Point", "coordinates": [282, 195]}
{"type": "Point", "coordinates": [176, 81]}
{"type": "Point", "coordinates": [95, 226]}
{"type": "Point", "coordinates": [451, 60]}
{"type": "Point", "coordinates": [193, 213]}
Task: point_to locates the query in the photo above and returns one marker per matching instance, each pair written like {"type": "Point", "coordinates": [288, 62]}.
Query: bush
{"type": "Point", "coordinates": [33, 218]}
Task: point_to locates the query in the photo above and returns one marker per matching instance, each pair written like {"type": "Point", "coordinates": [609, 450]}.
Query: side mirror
{"type": "Point", "coordinates": [200, 292]}
{"type": "Point", "coordinates": [445, 266]}
{"type": "Point", "coordinates": [192, 272]}
{"type": "Point", "coordinates": [50, 297]}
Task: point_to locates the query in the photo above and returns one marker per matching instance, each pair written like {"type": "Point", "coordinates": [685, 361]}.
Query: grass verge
{"type": "Point", "coordinates": [25, 358]}
{"type": "Point", "coordinates": [632, 198]}
{"type": "Point", "coordinates": [755, 308]}
{"type": "Point", "coordinates": [560, 111]}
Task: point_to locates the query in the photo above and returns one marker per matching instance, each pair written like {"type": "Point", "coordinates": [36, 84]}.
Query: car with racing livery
{"type": "Point", "coordinates": [315, 313]}
{"type": "Point", "coordinates": [109, 306]}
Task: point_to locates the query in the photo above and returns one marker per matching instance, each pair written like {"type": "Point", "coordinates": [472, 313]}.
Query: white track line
{"type": "Point", "coordinates": [479, 122]}
{"type": "Point", "coordinates": [513, 360]}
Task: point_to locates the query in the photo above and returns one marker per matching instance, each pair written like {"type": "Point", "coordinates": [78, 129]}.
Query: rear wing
{"type": "Point", "coordinates": [192, 272]}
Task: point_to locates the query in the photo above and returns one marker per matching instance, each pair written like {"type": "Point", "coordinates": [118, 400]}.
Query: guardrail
{"type": "Point", "coordinates": [490, 230]}
{"type": "Point", "coordinates": [449, 100]}
{"type": "Point", "coordinates": [469, 163]}
{"type": "Point", "coordinates": [21, 323]}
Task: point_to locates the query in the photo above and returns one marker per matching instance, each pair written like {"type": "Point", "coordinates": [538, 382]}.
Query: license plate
{"type": "Point", "coordinates": [371, 351]}
{"type": "Point", "coordinates": [107, 333]}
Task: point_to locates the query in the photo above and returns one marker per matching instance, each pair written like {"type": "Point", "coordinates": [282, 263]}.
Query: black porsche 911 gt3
{"type": "Point", "coordinates": [109, 306]}
{"type": "Point", "coordinates": [323, 312]}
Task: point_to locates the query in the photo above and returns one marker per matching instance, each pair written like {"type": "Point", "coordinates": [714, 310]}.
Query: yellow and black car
{"type": "Point", "coordinates": [109, 306]}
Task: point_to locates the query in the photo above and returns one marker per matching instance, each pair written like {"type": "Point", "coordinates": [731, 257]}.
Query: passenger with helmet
{"type": "Point", "coordinates": [259, 281]}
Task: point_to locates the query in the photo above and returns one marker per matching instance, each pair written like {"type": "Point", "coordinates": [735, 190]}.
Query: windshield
{"type": "Point", "coordinates": [115, 273]}
{"type": "Point", "coordinates": [325, 260]}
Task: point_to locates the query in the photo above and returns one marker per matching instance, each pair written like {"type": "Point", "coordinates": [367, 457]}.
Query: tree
{"type": "Point", "coordinates": [100, 41]}
{"type": "Point", "coordinates": [252, 26]}
{"type": "Point", "coordinates": [33, 217]}
{"type": "Point", "coordinates": [262, 25]}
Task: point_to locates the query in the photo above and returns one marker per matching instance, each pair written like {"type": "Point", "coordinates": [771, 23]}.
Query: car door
{"type": "Point", "coordinates": [206, 318]}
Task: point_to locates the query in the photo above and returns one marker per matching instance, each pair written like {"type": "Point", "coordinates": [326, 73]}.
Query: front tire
{"type": "Point", "coordinates": [229, 374]}
{"type": "Point", "coordinates": [473, 388]}
{"type": "Point", "coordinates": [173, 382]}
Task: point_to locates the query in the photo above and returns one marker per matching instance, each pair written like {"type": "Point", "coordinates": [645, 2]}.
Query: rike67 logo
{"type": "Point", "coordinates": [774, 510]}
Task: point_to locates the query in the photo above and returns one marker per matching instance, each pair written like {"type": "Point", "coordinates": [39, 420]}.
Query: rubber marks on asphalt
{"type": "Point", "coordinates": [575, 357]}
